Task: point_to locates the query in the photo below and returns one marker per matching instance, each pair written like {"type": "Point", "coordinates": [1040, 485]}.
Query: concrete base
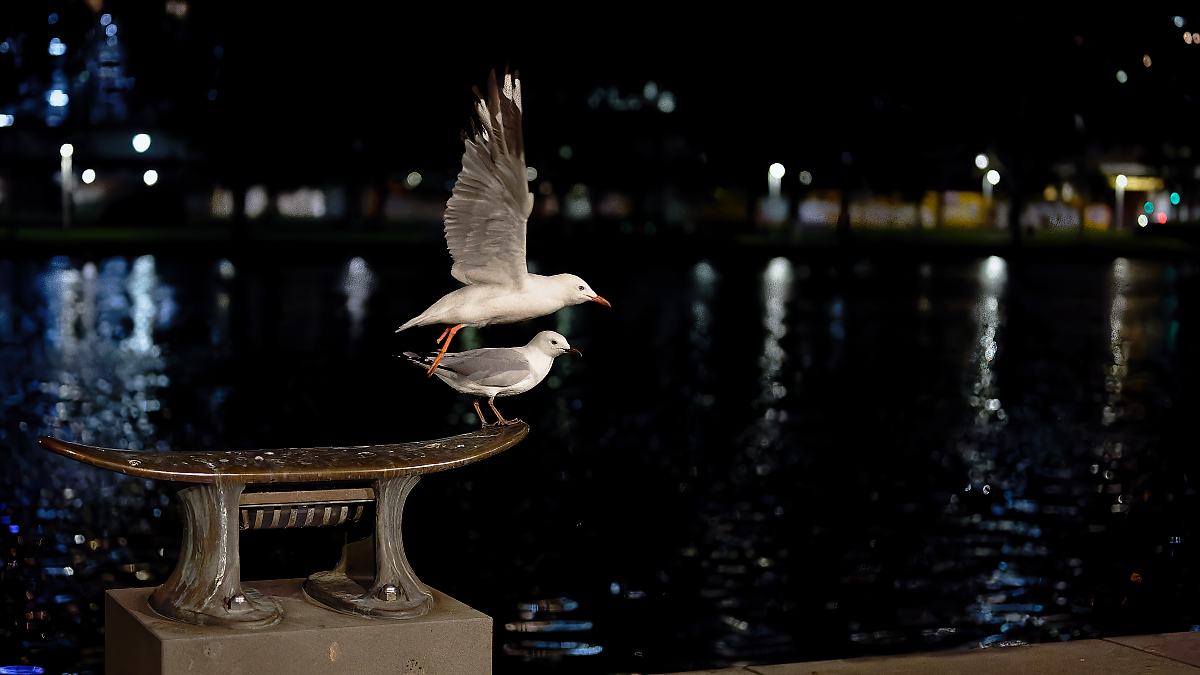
{"type": "Point", "coordinates": [450, 639]}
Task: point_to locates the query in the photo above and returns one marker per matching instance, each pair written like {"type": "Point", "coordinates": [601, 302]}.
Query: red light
{"type": "Point", "coordinates": [1162, 218]}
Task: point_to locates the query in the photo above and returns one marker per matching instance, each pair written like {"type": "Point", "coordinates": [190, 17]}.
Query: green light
{"type": "Point", "coordinates": [1175, 198]}
{"type": "Point", "coordinates": [1149, 207]}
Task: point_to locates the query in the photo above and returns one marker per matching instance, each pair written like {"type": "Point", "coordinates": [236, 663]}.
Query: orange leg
{"type": "Point", "coordinates": [445, 345]}
{"type": "Point", "coordinates": [439, 340]}
{"type": "Point", "coordinates": [482, 421]}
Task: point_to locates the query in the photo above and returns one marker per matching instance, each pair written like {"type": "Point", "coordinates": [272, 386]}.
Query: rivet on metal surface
{"type": "Point", "coordinates": [389, 593]}
{"type": "Point", "coordinates": [237, 603]}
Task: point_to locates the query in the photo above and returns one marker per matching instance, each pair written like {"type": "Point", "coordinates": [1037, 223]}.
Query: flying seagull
{"type": "Point", "coordinates": [497, 372]}
{"type": "Point", "coordinates": [485, 230]}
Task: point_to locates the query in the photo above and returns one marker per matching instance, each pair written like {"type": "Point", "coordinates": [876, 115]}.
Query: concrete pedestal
{"type": "Point", "coordinates": [450, 639]}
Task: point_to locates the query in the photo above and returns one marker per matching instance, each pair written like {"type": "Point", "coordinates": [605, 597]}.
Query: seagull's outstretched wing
{"type": "Point", "coordinates": [485, 217]}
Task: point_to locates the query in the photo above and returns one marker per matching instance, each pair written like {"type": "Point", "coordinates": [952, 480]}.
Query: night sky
{"type": "Point", "coordinates": [312, 91]}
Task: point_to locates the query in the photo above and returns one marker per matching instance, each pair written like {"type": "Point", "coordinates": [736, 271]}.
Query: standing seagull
{"type": "Point", "coordinates": [485, 230]}
{"type": "Point", "coordinates": [496, 372]}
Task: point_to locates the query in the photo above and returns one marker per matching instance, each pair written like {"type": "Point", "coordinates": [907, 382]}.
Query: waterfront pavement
{"type": "Point", "coordinates": [1137, 654]}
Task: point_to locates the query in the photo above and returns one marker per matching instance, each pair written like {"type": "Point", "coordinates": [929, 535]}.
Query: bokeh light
{"type": "Point", "coordinates": [1178, 21]}
{"type": "Point", "coordinates": [1162, 217]}
{"type": "Point", "coordinates": [1122, 77]}
{"type": "Point", "coordinates": [805, 177]}
{"type": "Point", "coordinates": [530, 174]}
{"type": "Point", "coordinates": [1148, 207]}
{"type": "Point", "coordinates": [1146, 60]}
{"type": "Point", "coordinates": [981, 161]}
{"type": "Point", "coordinates": [66, 150]}
{"type": "Point", "coordinates": [1143, 220]}
{"type": "Point", "coordinates": [150, 177]}
{"type": "Point", "coordinates": [141, 142]}
{"type": "Point", "coordinates": [88, 176]}
{"type": "Point", "coordinates": [413, 179]}
{"type": "Point", "coordinates": [776, 170]}
{"type": "Point", "coordinates": [993, 176]}
{"type": "Point", "coordinates": [666, 102]}
{"type": "Point", "coordinates": [1175, 198]}
{"type": "Point", "coordinates": [1122, 181]}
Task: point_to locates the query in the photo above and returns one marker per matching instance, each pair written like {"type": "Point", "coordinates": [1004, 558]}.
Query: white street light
{"type": "Point", "coordinates": [150, 177]}
{"type": "Point", "coordinates": [141, 142]}
{"type": "Point", "coordinates": [981, 161]}
{"type": "Point", "coordinates": [993, 176]}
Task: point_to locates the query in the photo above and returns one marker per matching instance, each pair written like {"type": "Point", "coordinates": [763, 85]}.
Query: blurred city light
{"type": "Point", "coordinates": [565, 152]}
{"type": "Point", "coordinates": [1178, 21]}
{"type": "Point", "coordinates": [981, 161]}
{"type": "Point", "coordinates": [1068, 192]}
{"type": "Point", "coordinates": [57, 98]}
{"type": "Point", "coordinates": [141, 142]}
{"type": "Point", "coordinates": [88, 176]}
{"type": "Point", "coordinates": [105, 19]}
{"type": "Point", "coordinates": [256, 201]}
{"type": "Point", "coordinates": [1050, 194]}
{"type": "Point", "coordinates": [1148, 207]}
{"type": "Point", "coordinates": [66, 150]}
{"type": "Point", "coordinates": [776, 171]}
{"type": "Point", "coordinates": [650, 91]}
{"type": "Point", "coordinates": [150, 177]}
{"type": "Point", "coordinates": [666, 102]}
{"type": "Point", "coordinates": [1187, 37]}
{"type": "Point", "coordinates": [1143, 220]}
{"type": "Point", "coordinates": [530, 174]}
{"type": "Point", "coordinates": [56, 48]}
{"type": "Point", "coordinates": [111, 30]}
{"type": "Point", "coordinates": [805, 178]}
{"type": "Point", "coordinates": [1122, 77]}
{"type": "Point", "coordinates": [413, 179]}
{"type": "Point", "coordinates": [52, 19]}
{"type": "Point", "coordinates": [6, 120]}
{"type": "Point", "coordinates": [1175, 198]}
{"type": "Point", "coordinates": [1122, 181]}
{"type": "Point", "coordinates": [1146, 60]}
{"type": "Point", "coordinates": [1162, 218]}
{"type": "Point", "coordinates": [993, 177]}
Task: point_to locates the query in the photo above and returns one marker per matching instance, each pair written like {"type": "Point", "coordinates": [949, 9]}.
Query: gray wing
{"type": "Point", "coordinates": [488, 367]}
{"type": "Point", "coordinates": [486, 214]}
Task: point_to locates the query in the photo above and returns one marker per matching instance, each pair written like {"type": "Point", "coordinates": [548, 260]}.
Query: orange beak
{"type": "Point", "coordinates": [576, 352]}
{"type": "Point", "coordinates": [601, 301]}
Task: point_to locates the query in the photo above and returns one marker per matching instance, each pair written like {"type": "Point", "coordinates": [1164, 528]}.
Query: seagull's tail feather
{"type": "Point", "coordinates": [423, 361]}
{"type": "Point", "coordinates": [409, 324]}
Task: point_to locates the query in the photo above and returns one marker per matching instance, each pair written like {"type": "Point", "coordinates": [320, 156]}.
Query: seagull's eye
{"type": "Point", "coordinates": [554, 342]}
{"type": "Point", "coordinates": [581, 288]}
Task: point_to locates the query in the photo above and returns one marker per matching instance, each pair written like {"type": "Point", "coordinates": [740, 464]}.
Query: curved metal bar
{"type": "Point", "coordinates": [300, 465]}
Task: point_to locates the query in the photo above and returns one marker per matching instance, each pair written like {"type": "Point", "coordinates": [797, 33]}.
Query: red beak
{"type": "Point", "coordinates": [576, 352]}
{"type": "Point", "coordinates": [601, 301]}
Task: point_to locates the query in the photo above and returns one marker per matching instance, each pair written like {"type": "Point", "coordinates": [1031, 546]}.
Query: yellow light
{"type": "Point", "coordinates": [1137, 183]}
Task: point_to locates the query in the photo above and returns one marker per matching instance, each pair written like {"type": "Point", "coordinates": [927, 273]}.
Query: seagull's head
{"type": "Point", "coordinates": [577, 290]}
{"type": "Point", "coordinates": [552, 344]}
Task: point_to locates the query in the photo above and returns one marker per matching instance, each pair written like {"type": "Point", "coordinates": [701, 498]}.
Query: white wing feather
{"type": "Point", "coordinates": [486, 214]}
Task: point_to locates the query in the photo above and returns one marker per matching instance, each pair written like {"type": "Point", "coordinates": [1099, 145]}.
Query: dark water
{"type": "Point", "coordinates": [766, 455]}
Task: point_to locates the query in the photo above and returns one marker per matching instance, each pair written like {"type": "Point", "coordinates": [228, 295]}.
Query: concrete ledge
{"type": "Point", "coordinates": [1167, 653]}
{"type": "Point", "coordinates": [452, 639]}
